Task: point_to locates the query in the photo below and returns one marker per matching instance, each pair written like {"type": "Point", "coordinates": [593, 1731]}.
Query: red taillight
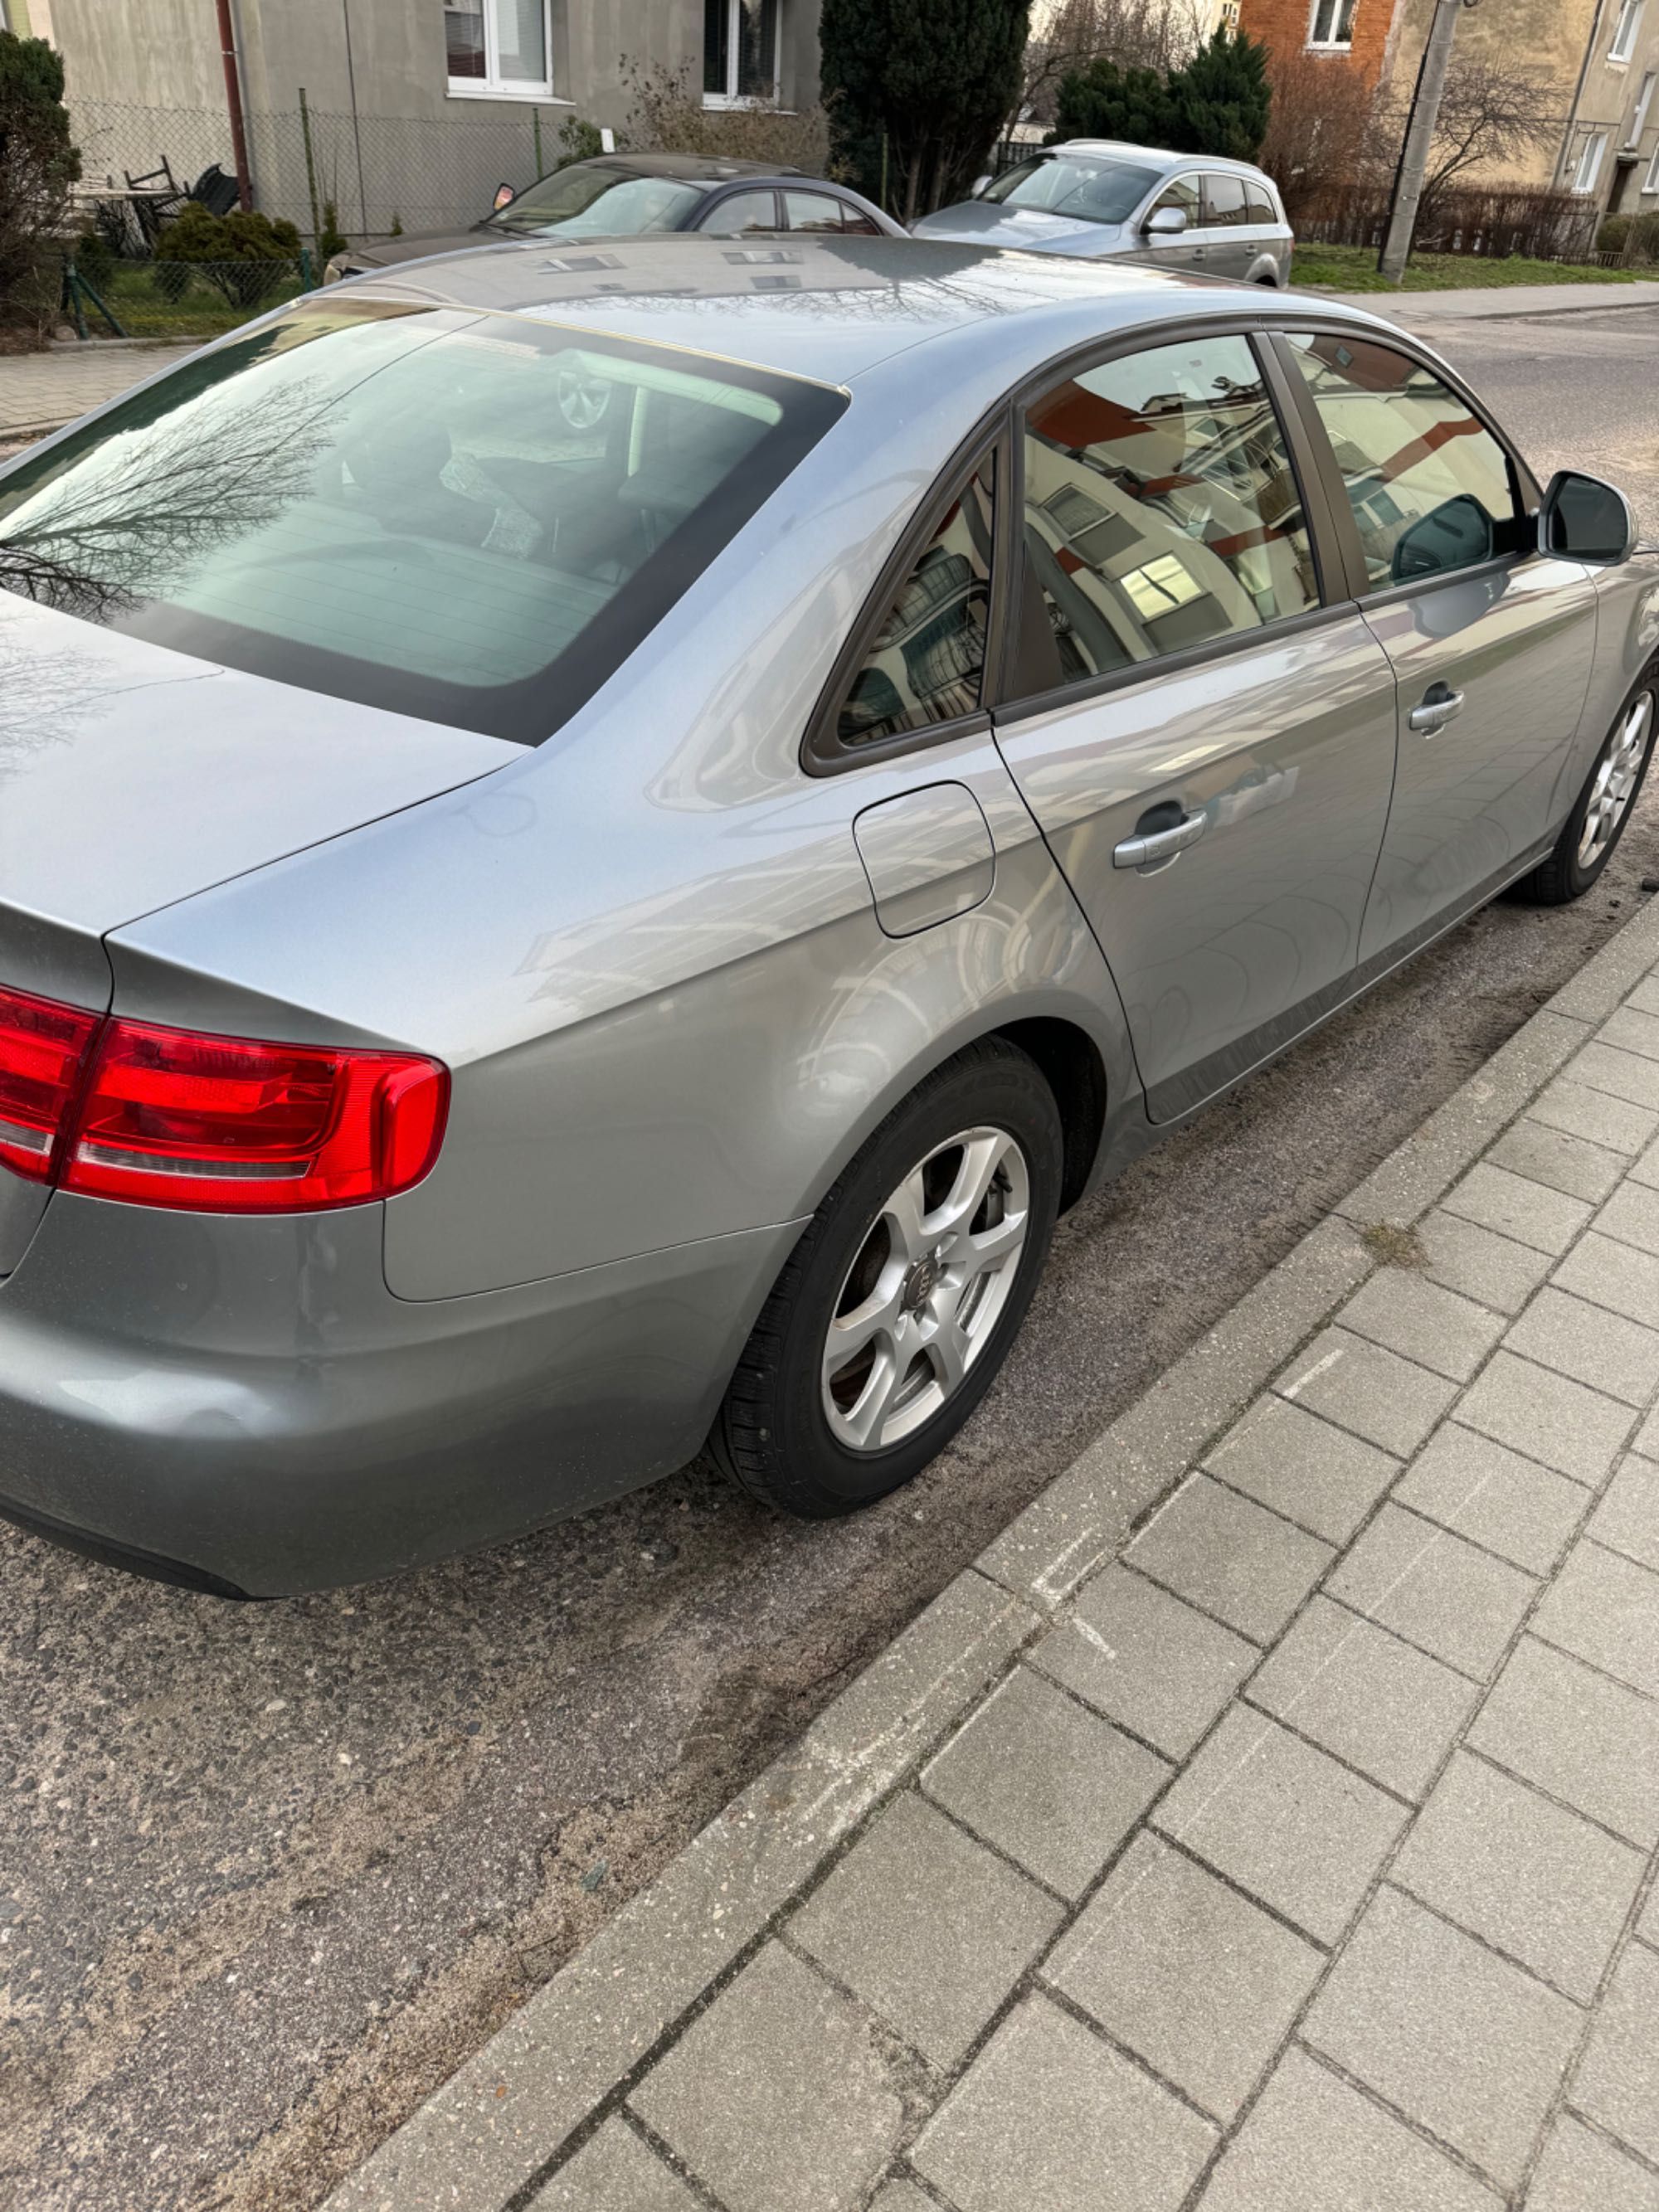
{"type": "Point", "coordinates": [225, 1125]}
{"type": "Point", "coordinates": [43, 1050]}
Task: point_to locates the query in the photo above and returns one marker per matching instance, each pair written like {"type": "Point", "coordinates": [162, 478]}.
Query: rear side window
{"type": "Point", "coordinates": [1259, 203]}
{"type": "Point", "coordinates": [469, 518]}
{"type": "Point", "coordinates": [1224, 202]}
{"type": "Point", "coordinates": [1161, 508]}
{"type": "Point", "coordinates": [1430, 488]}
{"type": "Point", "coordinates": [926, 663]}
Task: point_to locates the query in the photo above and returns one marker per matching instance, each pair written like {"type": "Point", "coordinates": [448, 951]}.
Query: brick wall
{"type": "Point", "coordinates": [1283, 27]}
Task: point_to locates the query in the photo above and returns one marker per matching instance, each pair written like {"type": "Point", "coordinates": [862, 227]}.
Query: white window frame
{"type": "Point", "coordinates": [1650, 182]}
{"type": "Point", "coordinates": [1625, 31]}
{"type": "Point", "coordinates": [1332, 10]}
{"type": "Point", "coordinates": [1639, 122]}
{"type": "Point", "coordinates": [1591, 154]}
{"type": "Point", "coordinates": [731, 97]}
{"type": "Point", "coordinates": [492, 85]}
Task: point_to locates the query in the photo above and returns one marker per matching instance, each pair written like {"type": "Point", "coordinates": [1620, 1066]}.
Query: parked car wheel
{"type": "Point", "coordinates": [901, 1300]}
{"type": "Point", "coordinates": [1597, 822]}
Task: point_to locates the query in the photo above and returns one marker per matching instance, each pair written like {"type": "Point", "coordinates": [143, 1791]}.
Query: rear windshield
{"type": "Point", "coordinates": [583, 203]}
{"type": "Point", "coordinates": [474, 518]}
{"type": "Point", "coordinates": [1093, 192]}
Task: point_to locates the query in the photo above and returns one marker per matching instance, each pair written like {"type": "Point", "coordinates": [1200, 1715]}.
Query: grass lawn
{"type": "Point", "coordinates": [201, 310]}
{"type": "Point", "coordinates": [1353, 269]}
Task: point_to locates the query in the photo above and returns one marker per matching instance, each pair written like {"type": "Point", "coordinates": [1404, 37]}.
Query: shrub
{"type": "Point", "coordinates": [93, 259]}
{"type": "Point", "coordinates": [578, 141]}
{"type": "Point", "coordinates": [243, 255]}
{"type": "Point", "coordinates": [918, 91]}
{"type": "Point", "coordinates": [330, 238]}
{"type": "Point", "coordinates": [668, 116]}
{"type": "Point", "coordinates": [38, 165]}
{"type": "Point", "coordinates": [1218, 102]}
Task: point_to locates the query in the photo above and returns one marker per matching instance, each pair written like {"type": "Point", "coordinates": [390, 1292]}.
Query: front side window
{"type": "Point", "coordinates": [926, 663]}
{"type": "Point", "coordinates": [811, 211]}
{"type": "Point", "coordinates": [1066, 184]}
{"type": "Point", "coordinates": [1224, 202]}
{"type": "Point", "coordinates": [470, 518]}
{"type": "Point", "coordinates": [1625, 30]}
{"type": "Point", "coordinates": [1182, 192]}
{"type": "Point", "coordinates": [1161, 508]}
{"type": "Point", "coordinates": [739, 50]}
{"type": "Point", "coordinates": [592, 200]}
{"type": "Point", "coordinates": [499, 46]}
{"type": "Point", "coordinates": [1430, 488]}
{"type": "Point", "coordinates": [1332, 24]}
{"type": "Point", "coordinates": [741, 212]}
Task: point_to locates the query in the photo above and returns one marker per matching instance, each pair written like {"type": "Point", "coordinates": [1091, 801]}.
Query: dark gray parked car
{"type": "Point", "coordinates": [628, 195]}
{"type": "Point", "coordinates": [1095, 196]}
{"type": "Point", "coordinates": [588, 856]}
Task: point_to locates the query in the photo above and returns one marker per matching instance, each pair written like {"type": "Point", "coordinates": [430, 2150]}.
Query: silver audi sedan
{"type": "Point", "coordinates": [593, 846]}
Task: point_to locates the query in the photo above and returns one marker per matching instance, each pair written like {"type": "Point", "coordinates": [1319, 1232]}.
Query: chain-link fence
{"type": "Point", "coordinates": [178, 299]}
{"type": "Point", "coordinates": [381, 173]}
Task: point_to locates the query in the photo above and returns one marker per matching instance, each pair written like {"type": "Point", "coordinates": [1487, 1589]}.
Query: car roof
{"type": "Point", "coordinates": [691, 168]}
{"type": "Point", "coordinates": [1157, 157]}
{"type": "Point", "coordinates": [812, 305]}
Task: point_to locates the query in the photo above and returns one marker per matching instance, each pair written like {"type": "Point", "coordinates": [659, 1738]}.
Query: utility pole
{"type": "Point", "coordinates": [233, 102]}
{"type": "Point", "coordinates": [1420, 137]}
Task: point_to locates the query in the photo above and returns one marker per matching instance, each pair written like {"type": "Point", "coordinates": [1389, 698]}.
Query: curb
{"type": "Point", "coordinates": [488, 2137]}
{"type": "Point", "coordinates": [1645, 289]}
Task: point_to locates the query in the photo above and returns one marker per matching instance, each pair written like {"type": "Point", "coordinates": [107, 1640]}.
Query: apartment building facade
{"type": "Point", "coordinates": [1598, 60]}
{"type": "Point", "coordinates": [416, 108]}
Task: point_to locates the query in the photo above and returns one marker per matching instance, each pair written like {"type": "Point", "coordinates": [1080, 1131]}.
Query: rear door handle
{"type": "Point", "coordinates": [1440, 703]}
{"type": "Point", "coordinates": [1152, 848]}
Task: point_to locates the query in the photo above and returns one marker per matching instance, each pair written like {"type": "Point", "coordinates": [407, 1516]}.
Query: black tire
{"type": "Point", "coordinates": [1563, 875]}
{"type": "Point", "coordinates": [773, 1432]}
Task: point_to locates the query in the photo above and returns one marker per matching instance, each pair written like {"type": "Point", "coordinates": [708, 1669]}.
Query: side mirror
{"type": "Point", "coordinates": [505, 196]}
{"type": "Point", "coordinates": [981, 183]}
{"type": "Point", "coordinates": [1457, 534]}
{"type": "Point", "coordinates": [1586, 519]}
{"type": "Point", "coordinates": [1166, 223]}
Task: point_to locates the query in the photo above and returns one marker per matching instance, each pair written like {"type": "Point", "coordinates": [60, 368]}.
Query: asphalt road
{"type": "Point", "coordinates": [268, 1873]}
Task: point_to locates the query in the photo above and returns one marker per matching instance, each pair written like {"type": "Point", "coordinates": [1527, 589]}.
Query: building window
{"type": "Point", "coordinates": [1332, 23]}
{"type": "Point", "coordinates": [1650, 182]}
{"type": "Point", "coordinates": [1623, 34]}
{"type": "Point", "coordinates": [499, 47]}
{"type": "Point", "coordinates": [1639, 122]}
{"type": "Point", "coordinates": [739, 51]}
{"type": "Point", "coordinates": [1589, 162]}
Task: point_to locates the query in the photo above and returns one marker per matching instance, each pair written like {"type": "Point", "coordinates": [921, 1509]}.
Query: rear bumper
{"type": "Point", "coordinates": [243, 1405]}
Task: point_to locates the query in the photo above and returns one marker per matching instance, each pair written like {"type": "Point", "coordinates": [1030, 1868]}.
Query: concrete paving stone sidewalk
{"type": "Point", "coordinates": [1266, 1823]}
{"type": "Point", "coordinates": [39, 390]}
{"type": "Point", "coordinates": [1500, 302]}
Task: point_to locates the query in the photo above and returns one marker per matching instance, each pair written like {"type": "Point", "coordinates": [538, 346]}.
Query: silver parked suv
{"type": "Point", "coordinates": [1107, 201]}
{"type": "Point", "coordinates": [593, 846]}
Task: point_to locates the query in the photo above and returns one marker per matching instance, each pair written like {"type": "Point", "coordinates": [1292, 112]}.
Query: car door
{"type": "Point", "coordinates": [1230, 248]}
{"type": "Point", "coordinates": [1492, 641]}
{"type": "Point", "coordinates": [1187, 248]}
{"type": "Point", "coordinates": [1205, 734]}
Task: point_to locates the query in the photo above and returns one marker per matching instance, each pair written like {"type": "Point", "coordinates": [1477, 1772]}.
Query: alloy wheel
{"type": "Point", "coordinates": [1614, 785]}
{"type": "Point", "coordinates": [923, 1294]}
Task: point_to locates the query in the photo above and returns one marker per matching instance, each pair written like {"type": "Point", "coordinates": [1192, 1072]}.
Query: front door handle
{"type": "Point", "coordinates": [1152, 848]}
{"type": "Point", "coordinates": [1440, 703]}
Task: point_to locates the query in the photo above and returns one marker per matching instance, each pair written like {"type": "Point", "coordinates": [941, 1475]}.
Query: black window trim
{"type": "Point", "coordinates": [1523, 485]}
{"type": "Point", "coordinates": [1335, 600]}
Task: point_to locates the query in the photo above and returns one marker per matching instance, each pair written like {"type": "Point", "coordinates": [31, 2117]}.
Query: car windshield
{"type": "Point", "coordinates": [584, 201]}
{"type": "Point", "coordinates": [464, 517]}
{"type": "Point", "coordinates": [1069, 184]}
